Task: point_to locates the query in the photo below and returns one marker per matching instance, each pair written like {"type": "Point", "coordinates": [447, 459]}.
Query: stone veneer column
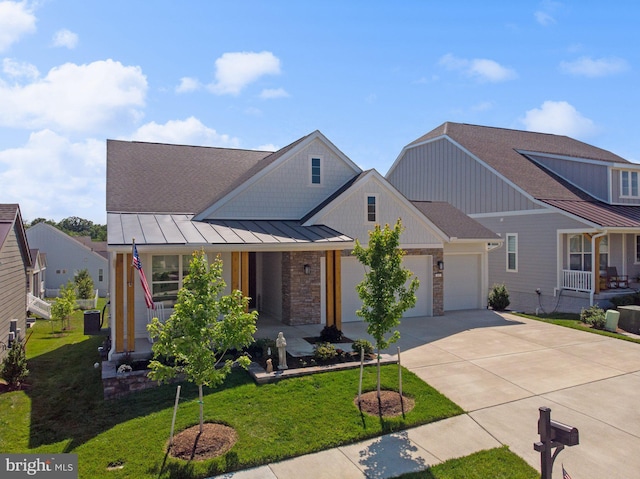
{"type": "Point", "coordinates": [301, 293]}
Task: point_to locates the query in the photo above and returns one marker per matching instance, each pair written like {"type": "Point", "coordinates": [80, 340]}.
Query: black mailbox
{"type": "Point", "coordinates": [564, 434]}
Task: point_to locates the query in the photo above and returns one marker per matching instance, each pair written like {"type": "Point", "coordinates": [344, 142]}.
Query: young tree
{"type": "Point", "coordinates": [64, 305]}
{"type": "Point", "coordinates": [14, 366]}
{"type": "Point", "coordinates": [384, 291]}
{"type": "Point", "coordinates": [84, 284]}
{"type": "Point", "coordinates": [203, 326]}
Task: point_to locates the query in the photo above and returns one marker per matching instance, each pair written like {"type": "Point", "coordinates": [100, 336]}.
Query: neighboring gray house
{"type": "Point", "coordinates": [37, 273]}
{"type": "Point", "coordinates": [284, 224]}
{"type": "Point", "coordinates": [552, 199]}
{"type": "Point", "coordinates": [15, 260]}
{"type": "Point", "coordinates": [66, 256]}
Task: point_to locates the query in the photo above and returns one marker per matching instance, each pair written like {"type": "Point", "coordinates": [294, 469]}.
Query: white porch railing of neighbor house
{"type": "Point", "coordinates": [577, 280]}
{"type": "Point", "coordinates": [38, 306]}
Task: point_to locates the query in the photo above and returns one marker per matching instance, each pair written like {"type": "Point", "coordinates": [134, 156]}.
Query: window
{"type": "Point", "coordinates": [637, 248]}
{"type": "Point", "coordinates": [579, 253]}
{"type": "Point", "coordinates": [100, 275]}
{"type": "Point", "coordinates": [315, 171]}
{"type": "Point", "coordinates": [371, 209]}
{"type": "Point", "coordinates": [629, 183]}
{"type": "Point", "coordinates": [512, 252]}
{"type": "Point", "coordinates": [167, 273]}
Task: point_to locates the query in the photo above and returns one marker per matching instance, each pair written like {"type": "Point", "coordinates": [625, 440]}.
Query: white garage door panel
{"type": "Point", "coordinates": [353, 273]}
{"type": "Point", "coordinates": [462, 282]}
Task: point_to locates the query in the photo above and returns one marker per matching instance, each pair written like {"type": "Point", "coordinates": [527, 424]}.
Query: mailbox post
{"type": "Point", "coordinates": [553, 434]}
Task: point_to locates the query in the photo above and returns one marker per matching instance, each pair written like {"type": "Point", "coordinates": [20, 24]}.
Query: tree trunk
{"type": "Point", "coordinates": [201, 407]}
{"type": "Point", "coordinates": [378, 373]}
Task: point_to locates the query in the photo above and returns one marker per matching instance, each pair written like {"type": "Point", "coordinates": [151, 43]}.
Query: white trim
{"type": "Point", "coordinates": [376, 205]}
{"type": "Point", "coordinates": [629, 187]}
{"type": "Point", "coordinates": [567, 158]}
{"type": "Point", "coordinates": [320, 158]}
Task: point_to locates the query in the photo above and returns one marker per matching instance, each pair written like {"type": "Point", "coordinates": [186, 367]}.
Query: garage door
{"type": "Point", "coordinates": [462, 282]}
{"type": "Point", "coordinates": [353, 273]}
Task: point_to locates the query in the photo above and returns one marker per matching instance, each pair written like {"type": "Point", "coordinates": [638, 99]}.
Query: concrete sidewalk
{"type": "Point", "coordinates": [500, 369]}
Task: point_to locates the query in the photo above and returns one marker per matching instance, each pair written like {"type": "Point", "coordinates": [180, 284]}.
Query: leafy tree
{"type": "Point", "coordinates": [84, 284]}
{"type": "Point", "coordinates": [76, 225]}
{"type": "Point", "coordinates": [64, 305]}
{"type": "Point", "coordinates": [384, 291]}
{"type": "Point", "coordinates": [14, 366]}
{"type": "Point", "coordinates": [203, 327]}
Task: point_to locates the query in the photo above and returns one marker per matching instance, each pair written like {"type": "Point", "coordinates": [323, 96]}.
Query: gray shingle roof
{"type": "Point", "coordinates": [453, 222]}
{"type": "Point", "coordinates": [162, 178]}
{"type": "Point", "coordinates": [498, 148]}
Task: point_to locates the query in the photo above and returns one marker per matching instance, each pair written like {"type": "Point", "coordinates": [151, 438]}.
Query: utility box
{"type": "Point", "coordinates": [611, 318]}
{"type": "Point", "coordinates": [91, 322]}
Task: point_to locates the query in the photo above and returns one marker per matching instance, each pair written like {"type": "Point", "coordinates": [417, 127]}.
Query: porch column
{"type": "Point", "coordinates": [235, 270]}
{"type": "Point", "coordinates": [240, 272]}
{"type": "Point", "coordinates": [596, 263]}
{"type": "Point", "coordinates": [131, 306]}
{"type": "Point", "coordinates": [119, 300]}
{"type": "Point", "coordinates": [334, 288]}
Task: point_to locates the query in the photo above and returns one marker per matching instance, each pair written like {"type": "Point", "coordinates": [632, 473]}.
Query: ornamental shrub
{"type": "Point", "coordinates": [360, 344]}
{"type": "Point", "coordinates": [499, 297]}
{"type": "Point", "coordinates": [593, 316]}
{"type": "Point", "coordinates": [331, 334]}
{"type": "Point", "coordinates": [324, 351]}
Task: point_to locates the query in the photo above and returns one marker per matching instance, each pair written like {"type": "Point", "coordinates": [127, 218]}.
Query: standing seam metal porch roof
{"type": "Point", "coordinates": [178, 229]}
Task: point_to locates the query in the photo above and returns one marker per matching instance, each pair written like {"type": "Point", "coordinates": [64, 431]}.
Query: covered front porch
{"type": "Point", "coordinates": [602, 264]}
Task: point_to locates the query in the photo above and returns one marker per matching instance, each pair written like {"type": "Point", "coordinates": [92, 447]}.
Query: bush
{"type": "Point", "coordinates": [499, 297]}
{"type": "Point", "coordinates": [14, 366]}
{"type": "Point", "coordinates": [324, 351]}
{"type": "Point", "coordinates": [594, 316]}
{"type": "Point", "coordinates": [331, 334]}
{"type": "Point", "coordinates": [362, 344]}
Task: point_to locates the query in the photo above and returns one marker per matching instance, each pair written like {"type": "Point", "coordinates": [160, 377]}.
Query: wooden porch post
{"type": "Point", "coordinates": [331, 301]}
{"type": "Point", "coordinates": [596, 262]}
{"type": "Point", "coordinates": [244, 276]}
{"type": "Point", "coordinates": [131, 303]}
{"type": "Point", "coordinates": [334, 289]}
{"type": "Point", "coordinates": [235, 270]}
{"type": "Point", "coordinates": [119, 306]}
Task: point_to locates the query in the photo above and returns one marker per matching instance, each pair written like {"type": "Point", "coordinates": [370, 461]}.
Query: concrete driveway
{"type": "Point", "coordinates": [501, 368]}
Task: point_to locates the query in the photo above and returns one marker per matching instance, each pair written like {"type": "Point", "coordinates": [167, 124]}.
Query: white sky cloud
{"type": "Point", "coordinates": [183, 132]}
{"type": "Point", "coordinates": [17, 70]}
{"type": "Point", "coordinates": [69, 183]}
{"type": "Point", "coordinates": [16, 20]}
{"type": "Point", "coordinates": [599, 67]}
{"type": "Point", "coordinates": [560, 118]}
{"type": "Point", "coordinates": [268, 147]}
{"type": "Point", "coordinates": [65, 38]}
{"type": "Point", "coordinates": [480, 68]}
{"type": "Point", "coordinates": [188, 84]}
{"type": "Point", "coordinates": [75, 97]}
{"type": "Point", "coordinates": [271, 93]}
{"type": "Point", "coordinates": [236, 70]}
{"type": "Point", "coordinates": [544, 19]}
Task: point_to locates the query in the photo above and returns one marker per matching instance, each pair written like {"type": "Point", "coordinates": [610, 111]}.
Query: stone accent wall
{"type": "Point", "coordinates": [301, 293]}
{"type": "Point", "coordinates": [437, 276]}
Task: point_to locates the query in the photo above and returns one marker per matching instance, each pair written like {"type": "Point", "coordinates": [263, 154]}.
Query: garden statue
{"type": "Point", "coordinates": [269, 365]}
{"type": "Point", "coordinates": [281, 344]}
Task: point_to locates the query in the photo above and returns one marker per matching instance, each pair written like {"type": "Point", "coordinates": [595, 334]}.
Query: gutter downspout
{"type": "Point", "coordinates": [593, 265]}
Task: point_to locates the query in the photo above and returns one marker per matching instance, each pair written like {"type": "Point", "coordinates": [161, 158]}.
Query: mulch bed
{"type": "Point", "coordinates": [390, 404]}
{"type": "Point", "coordinates": [214, 441]}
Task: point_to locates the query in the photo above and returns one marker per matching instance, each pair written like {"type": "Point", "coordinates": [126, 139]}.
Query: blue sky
{"type": "Point", "coordinates": [371, 75]}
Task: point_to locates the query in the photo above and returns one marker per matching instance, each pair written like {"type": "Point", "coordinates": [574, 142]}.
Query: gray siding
{"type": "Point", "coordinates": [537, 254]}
{"type": "Point", "coordinates": [440, 171]}
{"type": "Point", "coordinates": [13, 287]}
{"type": "Point", "coordinates": [66, 256]}
{"type": "Point", "coordinates": [615, 190]}
{"type": "Point", "coordinates": [589, 177]}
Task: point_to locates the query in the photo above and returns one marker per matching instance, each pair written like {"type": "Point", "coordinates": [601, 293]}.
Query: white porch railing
{"type": "Point", "coordinates": [577, 280]}
{"type": "Point", "coordinates": [38, 306]}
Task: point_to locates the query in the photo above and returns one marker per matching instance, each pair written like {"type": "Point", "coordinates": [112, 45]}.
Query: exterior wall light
{"type": "Point", "coordinates": [441, 265]}
{"type": "Point", "coordinates": [307, 269]}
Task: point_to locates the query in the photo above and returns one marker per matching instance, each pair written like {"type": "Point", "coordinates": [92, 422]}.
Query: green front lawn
{"type": "Point", "coordinates": [62, 410]}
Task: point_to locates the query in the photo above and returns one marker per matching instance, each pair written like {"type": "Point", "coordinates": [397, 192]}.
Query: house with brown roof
{"type": "Point", "coordinates": [568, 212]}
{"type": "Point", "coordinates": [284, 224]}
{"type": "Point", "coordinates": [15, 260]}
